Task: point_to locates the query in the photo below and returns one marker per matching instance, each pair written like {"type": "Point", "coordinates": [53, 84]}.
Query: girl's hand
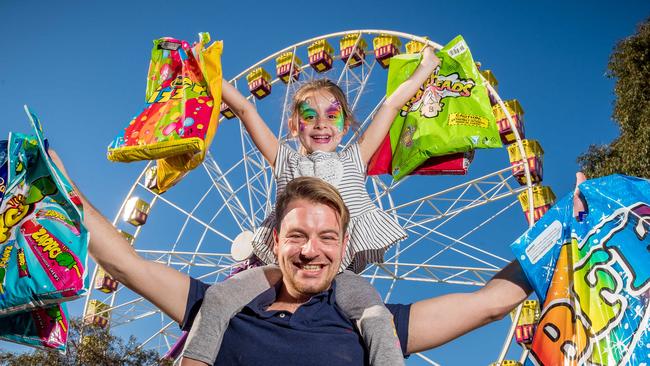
{"type": "Point", "coordinates": [376, 132]}
{"type": "Point", "coordinates": [429, 58]}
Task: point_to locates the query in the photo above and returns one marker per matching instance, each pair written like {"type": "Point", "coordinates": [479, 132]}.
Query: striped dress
{"type": "Point", "coordinates": [371, 230]}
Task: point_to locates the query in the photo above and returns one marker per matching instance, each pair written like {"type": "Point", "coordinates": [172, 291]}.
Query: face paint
{"type": "Point", "coordinates": [308, 115]}
{"type": "Point", "coordinates": [333, 115]}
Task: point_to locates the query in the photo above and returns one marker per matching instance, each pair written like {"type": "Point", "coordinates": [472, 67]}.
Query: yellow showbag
{"type": "Point", "coordinates": [179, 120]}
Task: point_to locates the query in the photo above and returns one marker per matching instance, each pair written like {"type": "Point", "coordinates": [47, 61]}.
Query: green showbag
{"type": "Point", "coordinates": [450, 113]}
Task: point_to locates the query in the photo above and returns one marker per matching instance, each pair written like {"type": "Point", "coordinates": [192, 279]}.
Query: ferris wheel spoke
{"type": "Point", "coordinates": [418, 272]}
{"type": "Point", "coordinates": [426, 238]}
{"type": "Point", "coordinates": [449, 246]}
{"type": "Point", "coordinates": [286, 100]}
{"type": "Point", "coordinates": [427, 359]}
{"type": "Point", "coordinates": [364, 82]}
{"type": "Point", "coordinates": [187, 220]}
{"type": "Point", "coordinates": [365, 123]}
{"type": "Point", "coordinates": [162, 331]}
{"type": "Point", "coordinates": [246, 172]}
{"type": "Point", "coordinates": [195, 259]}
{"type": "Point", "coordinates": [497, 190]}
{"type": "Point", "coordinates": [196, 219]}
{"type": "Point", "coordinates": [228, 196]}
{"type": "Point", "coordinates": [459, 240]}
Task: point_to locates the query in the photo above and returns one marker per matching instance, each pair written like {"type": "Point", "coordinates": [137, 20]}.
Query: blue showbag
{"type": "Point", "coordinates": [592, 277]}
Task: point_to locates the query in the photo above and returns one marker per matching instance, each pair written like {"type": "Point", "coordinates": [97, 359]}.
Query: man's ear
{"type": "Point", "coordinates": [344, 243]}
{"type": "Point", "coordinates": [275, 242]}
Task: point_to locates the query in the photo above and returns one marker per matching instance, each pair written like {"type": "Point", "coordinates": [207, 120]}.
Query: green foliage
{"type": "Point", "coordinates": [96, 347]}
{"type": "Point", "coordinates": [629, 153]}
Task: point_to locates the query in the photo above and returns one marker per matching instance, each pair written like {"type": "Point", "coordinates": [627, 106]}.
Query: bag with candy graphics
{"type": "Point", "coordinates": [42, 327]}
{"type": "Point", "coordinates": [4, 168]}
{"type": "Point", "coordinates": [179, 119]}
{"type": "Point", "coordinates": [451, 113]}
{"type": "Point", "coordinates": [43, 243]}
{"type": "Point", "coordinates": [592, 277]}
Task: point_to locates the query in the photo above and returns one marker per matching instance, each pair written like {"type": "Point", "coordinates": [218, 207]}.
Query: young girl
{"type": "Point", "coordinates": [320, 118]}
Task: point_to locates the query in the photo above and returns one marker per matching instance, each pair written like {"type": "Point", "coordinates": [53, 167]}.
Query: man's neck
{"type": "Point", "coordinates": [288, 301]}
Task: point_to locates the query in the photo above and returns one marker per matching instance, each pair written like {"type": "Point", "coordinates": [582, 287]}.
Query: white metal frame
{"type": "Point", "coordinates": [249, 203]}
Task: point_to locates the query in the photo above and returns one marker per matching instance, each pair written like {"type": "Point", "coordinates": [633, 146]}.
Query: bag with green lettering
{"type": "Point", "coordinates": [45, 328]}
{"type": "Point", "coordinates": [43, 243]}
{"type": "Point", "coordinates": [451, 112]}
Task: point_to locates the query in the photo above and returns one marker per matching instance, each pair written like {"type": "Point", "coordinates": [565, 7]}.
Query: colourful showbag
{"type": "Point", "coordinates": [451, 113]}
{"type": "Point", "coordinates": [43, 243]}
{"type": "Point", "coordinates": [592, 277]}
{"type": "Point", "coordinates": [42, 327]}
{"type": "Point", "coordinates": [181, 113]}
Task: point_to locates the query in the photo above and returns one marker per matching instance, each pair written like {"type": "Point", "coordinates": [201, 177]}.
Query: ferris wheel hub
{"type": "Point", "coordinates": [242, 247]}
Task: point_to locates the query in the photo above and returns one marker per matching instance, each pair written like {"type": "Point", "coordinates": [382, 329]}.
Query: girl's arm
{"type": "Point", "coordinates": [165, 287]}
{"type": "Point", "coordinates": [259, 131]}
{"type": "Point", "coordinates": [376, 132]}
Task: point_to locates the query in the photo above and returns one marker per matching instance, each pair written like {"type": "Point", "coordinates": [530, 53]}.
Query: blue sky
{"type": "Point", "coordinates": [81, 65]}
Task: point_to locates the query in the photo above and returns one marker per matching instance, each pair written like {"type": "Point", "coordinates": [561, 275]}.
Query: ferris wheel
{"type": "Point", "coordinates": [459, 225]}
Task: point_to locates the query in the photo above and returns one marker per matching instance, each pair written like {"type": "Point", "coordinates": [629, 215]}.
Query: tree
{"type": "Point", "coordinates": [629, 153]}
{"type": "Point", "coordinates": [97, 346]}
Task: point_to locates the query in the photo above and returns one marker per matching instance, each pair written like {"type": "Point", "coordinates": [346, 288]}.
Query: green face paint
{"type": "Point", "coordinates": [308, 115]}
{"type": "Point", "coordinates": [333, 115]}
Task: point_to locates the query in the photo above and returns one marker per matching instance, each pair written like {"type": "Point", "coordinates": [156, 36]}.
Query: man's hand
{"type": "Point", "coordinates": [579, 204]}
{"type": "Point", "coordinates": [456, 314]}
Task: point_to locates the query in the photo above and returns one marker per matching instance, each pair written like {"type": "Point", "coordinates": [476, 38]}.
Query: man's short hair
{"type": "Point", "coordinates": [314, 190]}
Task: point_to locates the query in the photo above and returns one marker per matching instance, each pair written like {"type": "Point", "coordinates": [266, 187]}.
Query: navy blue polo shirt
{"type": "Point", "coordinates": [318, 333]}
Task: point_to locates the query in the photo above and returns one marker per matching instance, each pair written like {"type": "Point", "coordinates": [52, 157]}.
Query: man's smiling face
{"type": "Point", "coordinates": [309, 248]}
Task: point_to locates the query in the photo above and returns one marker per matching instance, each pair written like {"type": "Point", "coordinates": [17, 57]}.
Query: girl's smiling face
{"type": "Point", "coordinates": [320, 122]}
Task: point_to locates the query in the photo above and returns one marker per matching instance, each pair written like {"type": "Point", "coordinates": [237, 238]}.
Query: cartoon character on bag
{"type": "Point", "coordinates": [437, 87]}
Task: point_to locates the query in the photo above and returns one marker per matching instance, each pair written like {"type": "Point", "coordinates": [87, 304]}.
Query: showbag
{"type": "Point", "coordinates": [592, 277]}
{"type": "Point", "coordinates": [450, 114]}
{"type": "Point", "coordinates": [45, 327]}
{"type": "Point", "coordinates": [179, 120]}
{"type": "Point", "coordinates": [43, 242]}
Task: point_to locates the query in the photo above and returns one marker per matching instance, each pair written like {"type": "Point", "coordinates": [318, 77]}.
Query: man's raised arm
{"type": "Point", "coordinates": [165, 287]}
{"type": "Point", "coordinates": [439, 320]}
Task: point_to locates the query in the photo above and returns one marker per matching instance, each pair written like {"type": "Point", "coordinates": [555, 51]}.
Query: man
{"type": "Point", "coordinates": [308, 246]}
{"type": "Point", "coordinates": [289, 323]}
